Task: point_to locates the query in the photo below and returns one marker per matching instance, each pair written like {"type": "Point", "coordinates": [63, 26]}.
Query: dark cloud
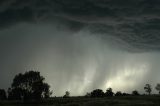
{"type": "Point", "coordinates": [135, 22]}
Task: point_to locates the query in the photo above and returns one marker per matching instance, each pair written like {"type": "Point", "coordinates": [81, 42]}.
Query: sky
{"type": "Point", "coordinates": [79, 46]}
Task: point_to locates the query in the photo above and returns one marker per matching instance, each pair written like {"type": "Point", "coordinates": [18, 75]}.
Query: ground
{"type": "Point", "coordinates": [82, 101]}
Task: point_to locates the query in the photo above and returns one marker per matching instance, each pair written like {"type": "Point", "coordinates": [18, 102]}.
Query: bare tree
{"type": "Point", "coordinates": [148, 88]}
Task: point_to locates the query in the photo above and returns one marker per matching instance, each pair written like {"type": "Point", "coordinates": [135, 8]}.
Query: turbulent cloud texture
{"type": "Point", "coordinates": [80, 45]}
{"type": "Point", "coordinates": [136, 23]}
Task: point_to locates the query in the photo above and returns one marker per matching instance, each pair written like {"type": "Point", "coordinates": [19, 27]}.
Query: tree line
{"type": "Point", "coordinates": [109, 92]}
{"type": "Point", "coordinates": [32, 86]}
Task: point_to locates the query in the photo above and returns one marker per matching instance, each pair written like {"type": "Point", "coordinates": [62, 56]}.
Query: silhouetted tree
{"type": "Point", "coordinates": [109, 92]}
{"type": "Point", "coordinates": [3, 94]}
{"type": "Point", "coordinates": [118, 93]}
{"type": "Point", "coordinates": [135, 93]}
{"type": "Point", "coordinates": [158, 88]}
{"type": "Point", "coordinates": [97, 93]}
{"type": "Point", "coordinates": [67, 94]}
{"type": "Point", "coordinates": [148, 88]}
{"type": "Point", "coordinates": [29, 85]}
{"type": "Point", "coordinates": [126, 94]}
{"type": "Point", "coordinates": [16, 94]}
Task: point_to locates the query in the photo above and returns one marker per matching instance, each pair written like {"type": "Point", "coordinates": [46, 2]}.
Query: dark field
{"type": "Point", "coordinates": [81, 101]}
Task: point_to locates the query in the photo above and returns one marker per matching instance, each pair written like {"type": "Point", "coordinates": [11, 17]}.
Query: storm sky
{"type": "Point", "coordinates": [81, 45]}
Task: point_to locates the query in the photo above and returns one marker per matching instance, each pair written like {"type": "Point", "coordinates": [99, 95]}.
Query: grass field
{"type": "Point", "coordinates": [81, 101]}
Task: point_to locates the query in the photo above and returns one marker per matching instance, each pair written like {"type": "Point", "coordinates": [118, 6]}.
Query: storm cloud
{"type": "Point", "coordinates": [81, 45]}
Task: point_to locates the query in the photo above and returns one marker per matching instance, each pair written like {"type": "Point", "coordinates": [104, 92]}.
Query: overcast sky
{"type": "Point", "coordinates": [81, 45]}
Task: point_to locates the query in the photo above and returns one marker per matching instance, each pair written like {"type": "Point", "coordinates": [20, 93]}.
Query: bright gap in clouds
{"type": "Point", "coordinates": [128, 77]}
